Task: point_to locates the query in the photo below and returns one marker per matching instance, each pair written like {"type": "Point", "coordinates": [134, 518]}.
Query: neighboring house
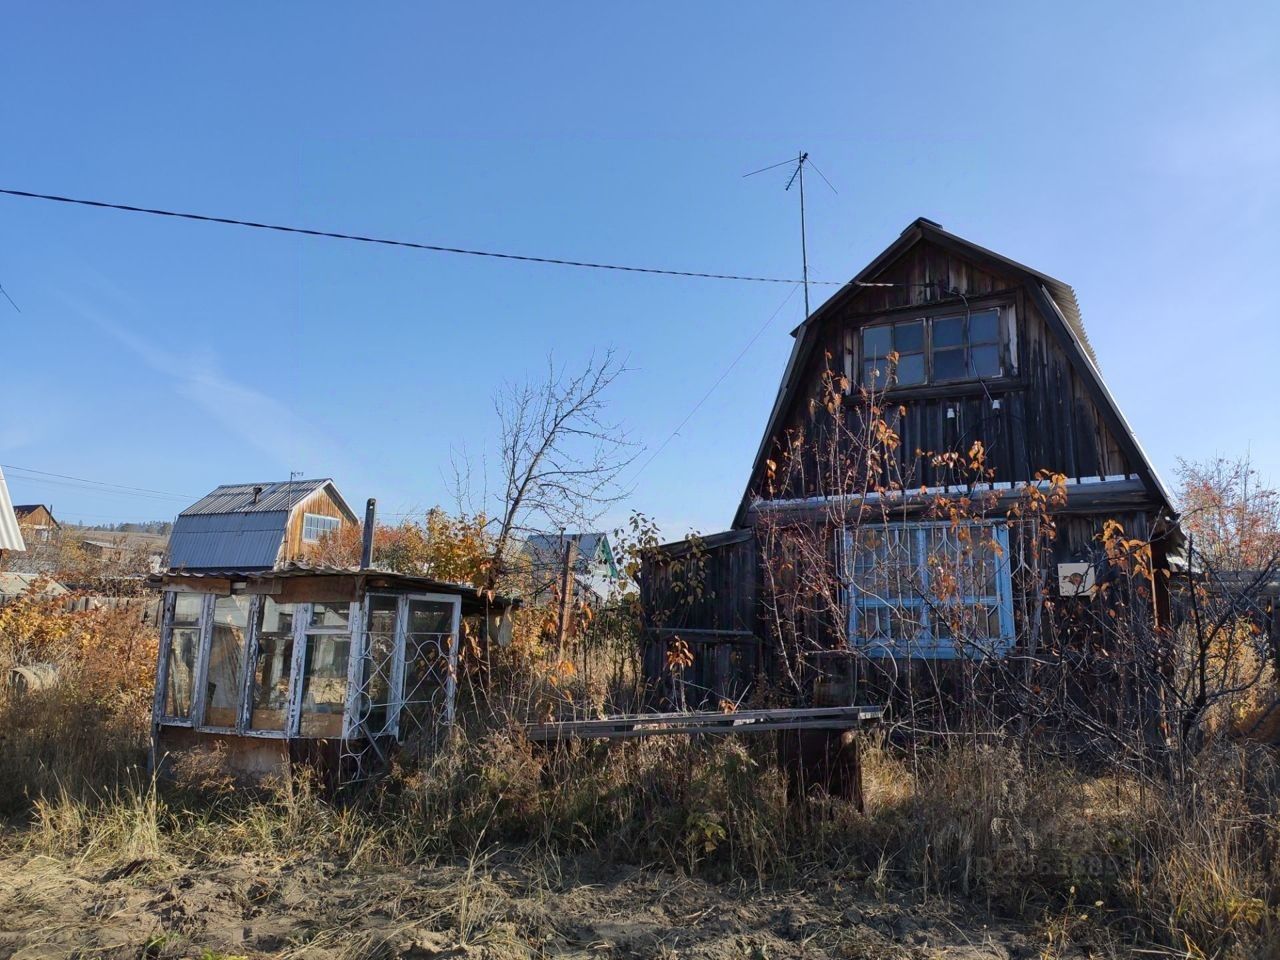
{"type": "Point", "coordinates": [126, 547]}
{"type": "Point", "coordinates": [36, 521]}
{"type": "Point", "coordinates": [256, 526]}
{"type": "Point", "coordinates": [957, 345]}
{"type": "Point", "coordinates": [10, 532]}
{"type": "Point", "coordinates": [590, 557]}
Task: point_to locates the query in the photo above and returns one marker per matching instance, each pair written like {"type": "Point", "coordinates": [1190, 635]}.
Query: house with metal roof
{"type": "Point", "coordinates": [256, 526]}
{"type": "Point", "coordinates": [588, 555]}
{"type": "Point", "coordinates": [37, 521]}
{"type": "Point", "coordinates": [934, 486]}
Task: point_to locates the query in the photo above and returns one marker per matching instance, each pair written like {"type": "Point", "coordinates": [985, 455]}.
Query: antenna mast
{"type": "Point", "coordinates": [797, 175]}
{"type": "Point", "coordinates": [801, 157]}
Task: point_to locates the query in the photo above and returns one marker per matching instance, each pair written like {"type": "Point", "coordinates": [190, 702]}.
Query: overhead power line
{"type": "Point", "coordinates": [107, 487]}
{"type": "Point", "coordinates": [719, 380]}
{"type": "Point", "coordinates": [385, 241]}
{"type": "Point", "coordinates": [437, 248]}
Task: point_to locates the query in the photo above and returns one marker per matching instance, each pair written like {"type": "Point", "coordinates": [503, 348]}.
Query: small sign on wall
{"type": "Point", "coordinates": [1076, 580]}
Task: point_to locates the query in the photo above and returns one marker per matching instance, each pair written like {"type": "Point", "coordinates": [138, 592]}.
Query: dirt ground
{"type": "Point", "coordinates": [502, 906]}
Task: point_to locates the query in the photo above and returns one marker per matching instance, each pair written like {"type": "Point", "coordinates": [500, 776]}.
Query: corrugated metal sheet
{"type": "Point", "coordinates": [10, 535]}
{"type": "Point", "coordinates": [546, 550]}
{"type": "Point", "coordinates": [295, 570]}
{"type": "Point", "coordinates": [270, 497]}
{"type": "Point", "coordinates": [227, 541]}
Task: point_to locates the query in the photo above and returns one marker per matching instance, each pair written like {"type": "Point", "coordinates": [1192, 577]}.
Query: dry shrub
{"type": "Point", "coordinates": [87, 729]}
{"type": "Point", "coordinates": [1191, 864]}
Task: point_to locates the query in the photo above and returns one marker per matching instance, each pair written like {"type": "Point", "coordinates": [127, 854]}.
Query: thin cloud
{"type": "Point", "coordinates": [261, 421]}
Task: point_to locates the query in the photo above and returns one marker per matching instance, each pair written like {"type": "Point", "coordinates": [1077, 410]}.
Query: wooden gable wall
{"type": "Point", "coordinates": [321, 502]}
{"type": "Point", "coordinates": [1044, 416]}
{"type": "Point", "coordinates": [40, 517]}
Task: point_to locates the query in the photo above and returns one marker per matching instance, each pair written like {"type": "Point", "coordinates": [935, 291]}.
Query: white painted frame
{"type": "Point", "coordinates": [162, 663]}
{"type": "Point", "coordinates": [302, 632]}
{"type": "Point", "coordinates": [396, 691]}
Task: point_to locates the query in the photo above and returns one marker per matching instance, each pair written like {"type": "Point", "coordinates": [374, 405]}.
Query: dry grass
{"type": "Point", "coordinates": [1109, 859]}
{"type": "Point", "coordinates": [1096, 859]}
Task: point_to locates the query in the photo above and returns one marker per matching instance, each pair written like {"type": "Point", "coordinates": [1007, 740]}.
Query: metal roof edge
{"type": "Point", "coordinates": [1090, 370]}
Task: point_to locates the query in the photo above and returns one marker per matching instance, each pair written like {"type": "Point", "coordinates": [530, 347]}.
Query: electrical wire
{"type": "Point", "coordinates": [431, 247]}
{"type": "Point", "coordinates": [118, 487]}
{"type": "Point", "coordinates": [710, 390]}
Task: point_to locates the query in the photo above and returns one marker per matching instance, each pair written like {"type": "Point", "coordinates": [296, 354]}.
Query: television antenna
{"type": "Point", "coordinates": [797, 176]}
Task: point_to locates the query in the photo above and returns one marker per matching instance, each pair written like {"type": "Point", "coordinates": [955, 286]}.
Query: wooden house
{"type": "Point", "coordinates": [587, 559]}
{"type": "Point", "coordinates": [256, 526]}
{"type": "Point", "coordinates": [37, 522]}
{"type": "Point", "coordinates": [944, 405]}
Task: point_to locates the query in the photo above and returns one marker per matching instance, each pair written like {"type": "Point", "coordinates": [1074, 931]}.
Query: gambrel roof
{"type": "Point", "coordinates": [265, 497]}
{"type": "Point", "coordinates": [242, 525]}
{"type": "Point", "coordinates": [1053, 298]}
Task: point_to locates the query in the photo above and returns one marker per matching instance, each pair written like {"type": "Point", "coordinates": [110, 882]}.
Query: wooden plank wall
{"type": "Point", "coordinates": [1040, 418]}
{"type": "Point", "coordinates": [320, 502]}
{"type": "Point", "coordinates": [726, 569]}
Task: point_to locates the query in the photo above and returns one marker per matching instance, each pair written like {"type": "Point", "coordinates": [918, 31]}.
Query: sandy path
{"type": "Point", "coordinates": [505, 907]}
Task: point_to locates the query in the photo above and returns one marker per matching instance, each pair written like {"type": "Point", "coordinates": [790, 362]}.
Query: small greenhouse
{"type": "Point", "coordinates": [335, 666]}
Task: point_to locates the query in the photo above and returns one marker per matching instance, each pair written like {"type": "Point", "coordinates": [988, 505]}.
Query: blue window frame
{"type": "Point", "coordinates": [315, 526]}
{"type": "Point", "coordinates": [933, 590]}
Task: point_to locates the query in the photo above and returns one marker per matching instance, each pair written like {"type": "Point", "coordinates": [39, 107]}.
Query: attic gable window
{"type": "Point", "coordinates": [939, 349]}
{"type": "Point", "coordinates": [315, 526]}
{"type": "Point", "coordinates": [906, 339]}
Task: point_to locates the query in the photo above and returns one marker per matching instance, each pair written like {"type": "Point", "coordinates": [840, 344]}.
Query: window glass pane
{"type": "Point", "coordinates": [376, 691]}
{"type": "Point", "coordinates": [984, 327]}
{"type": "Point", "coordinates": [272, 672]}
{"type": "Point", "coordinates": [335, 615]}
{"type": "Point", "coordinates": [909, 337]}
{"type": "Point", "coordinates": [224, 677]}
{"type": "Point", "coordinates": [948, 364]}
{"type": "Point", "coordinates": [187, 608]}
{"type": "Point", "coordinates": [324, 684]}
{"type": "Point", "coordinates": [960, 573]}
{"type": "Point", "coordinates": [948, 332]}
{"type": "Point", "coordinates": [906, 623]}
{"type": "Point", "coordinates": [910, 369]}
{"type": "Point", "coordinates": [875, 374]}
{"type": "Point", "coordinates": [180, 655]}
{"type": "Point", "coordinates": [877, 341]}
{"type": "Point", "coordinates": [315, 526]}
{"type": "Point", "coordinates": [426, 669]}
{"type": "Point", "coordinates": [985, 361]}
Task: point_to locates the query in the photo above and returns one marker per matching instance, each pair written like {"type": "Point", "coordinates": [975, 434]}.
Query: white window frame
{"type": "Point", "coordinates": [395, 700]}
{"type": "Point", "coordinates": [926, 646]}
{"type": "Point", "coordinates": [302, 632]}
{"type": "Point", "coordinates": [336, 521]}
{"type": "Point", "coordinates": [162, 660]}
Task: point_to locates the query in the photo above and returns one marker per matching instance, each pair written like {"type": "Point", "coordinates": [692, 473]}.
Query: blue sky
{"type": "Point", "coordinates": [1132, 150]}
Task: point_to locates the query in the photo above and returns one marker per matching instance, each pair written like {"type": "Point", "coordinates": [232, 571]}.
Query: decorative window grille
{"type": "Point", "coordinates": [315, 526]}
{"type": "Point", "coordinates": [933, 590]}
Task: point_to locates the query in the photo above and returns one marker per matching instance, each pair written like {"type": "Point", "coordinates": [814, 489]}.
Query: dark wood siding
{"type": "Point", "coordinates": [703, 593]}
{"type": "Point", "coordinates": [1041, 415]}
